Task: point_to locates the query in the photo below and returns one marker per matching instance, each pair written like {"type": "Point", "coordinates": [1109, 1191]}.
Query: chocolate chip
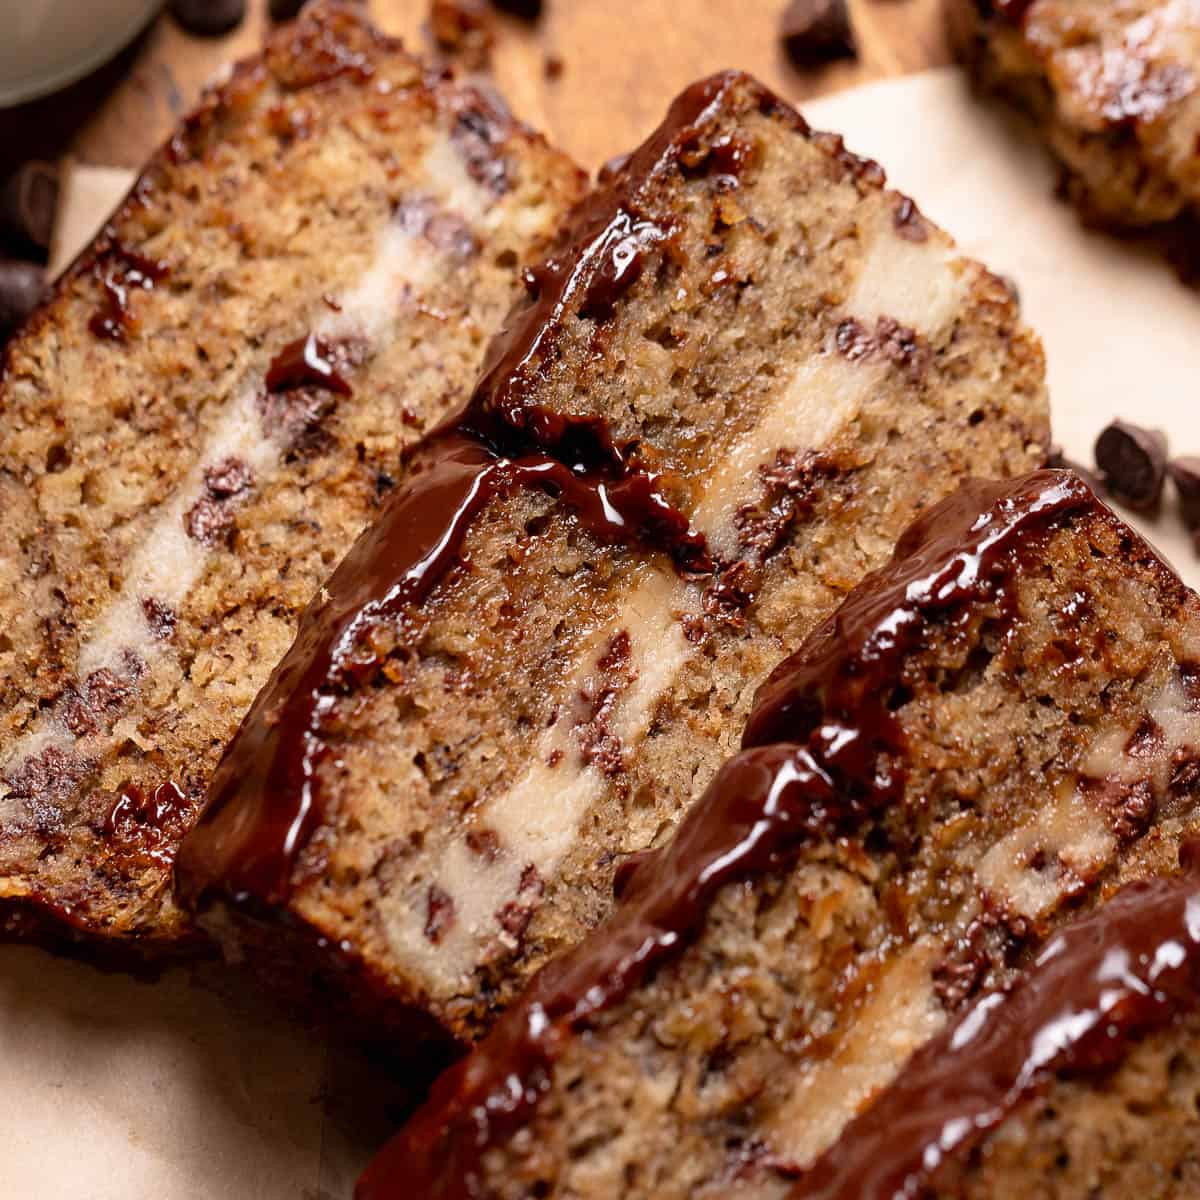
{"type": "Point", "coordinates": [529, 10]}
{"type": "Point", "coordinates": [553, 66]}
{"type": "Point", "coordinates": [284, 10]}
{"type": "Point", "coordinates": [22, 286]}
{"type": "Point", "coordinates": [228, 478]}
{"type": "Point", "coordinates": [815, 31]}
{"type": "Point", "coordinates": [160, 617]}
{"type": "Point", "coordinates": [29, 201]}
{"type": "Point", "coordinates": [208, 18]}
{"type": "Point", "coordinates": [209, 522]}
{"type": "Point", "coordinates": [908, 221]}
{"type": "Point", "coordinates": [439, 914]}
{"type": "Point", "coordinates": [477, 138]}
{"type": "Point", "coordinates": [1134, 462]}
{"type": "Point", "coordinates": [448, 232]}
{"type": "Point", "coordinates": [1185, 474]}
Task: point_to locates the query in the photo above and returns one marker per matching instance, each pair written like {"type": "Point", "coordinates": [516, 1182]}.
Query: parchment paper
{"type": "Point", "coordinates": [194, 1087]}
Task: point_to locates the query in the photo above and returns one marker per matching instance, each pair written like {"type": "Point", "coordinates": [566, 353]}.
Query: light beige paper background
{"type": "Point", "coordinates": [192, 1088]}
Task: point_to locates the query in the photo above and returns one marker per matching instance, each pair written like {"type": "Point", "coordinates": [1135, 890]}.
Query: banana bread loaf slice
{"type": "Point", "coordinates": [1080, 1082]}
{"type": "Point", "coordinates": [204, 417]}
{"type": "Point", "coordinates": [1114, 89]}
{"type": "Point", "coordinates": [714, 414]}
{"type": "Point", "coordinates": [992, 733]}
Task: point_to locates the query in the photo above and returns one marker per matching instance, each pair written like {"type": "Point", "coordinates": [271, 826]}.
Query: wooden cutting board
{"type": "Point", "coordinates": [622, 62]}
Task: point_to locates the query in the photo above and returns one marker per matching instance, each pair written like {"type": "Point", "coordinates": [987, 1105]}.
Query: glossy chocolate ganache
{"type": "Point", "coordinates": [821, 757]}
{"type": "Point", "coordinates": [264, 800]}
{"type": "Point", "coordinates": [1116, 975]}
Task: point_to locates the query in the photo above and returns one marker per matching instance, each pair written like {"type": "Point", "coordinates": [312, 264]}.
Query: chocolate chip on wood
{"type": "Point", "coordinates": [22, 285]}
{"type": "Point", "coordinates": [1134, 463]}
{"type": "Point", "coordinates": [28, 202]}
{"type": "Point", "coordinates": [815, 31]}
{"type": "Point", "coordinates": [529, 10]}
{"type": "Point", "coordinates": [208, 18]}
{"type": "Point", "coordinates": [1185, 474]}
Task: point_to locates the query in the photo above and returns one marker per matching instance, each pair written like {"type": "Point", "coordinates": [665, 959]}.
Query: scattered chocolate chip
{"type": "Point", "coordinates": [29, 201]}
{"type": "Point", "coordinates": [484, 842]}
{"type": "Point", "coordinates": [553, 66]}
{"type": "Point", "coordinates": [1134, 463]}
{"type": "Point", "coordinates": [529, 10]}
{"type": "Point", "coordinates": [449, 233]}
{"type": "Point", "coordinates": [22, 286]}
{"type": "Point", "coordinates": [306, 362]}
{"type": "Point", "coordinates": [439, 914]}
{"type": "Point", "coordinates": [284, 10]}
{"type": "Point", "coordinates": [478, 139]}
{"type": "Point", "coordinates": [228, 478]}
{"type": "Point", "coordinates": [160, 617]}
{"type": "Point", "coordinates": [1185, 774]}
{"type": "Point", "coordinates": [815, 31]}
{"type": "Point", "coordinates": [1185, 474]}
{"type": "Point", "coordinates": [209, 522]}
{"type": "Point", "coordinates": [463, 27]}
{"type": "Point", "coordinates": [208, 18]}
{"type": "Point", "coordinates": [907, 219]}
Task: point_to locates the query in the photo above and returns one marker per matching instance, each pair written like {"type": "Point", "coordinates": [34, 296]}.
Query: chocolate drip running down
{"type": "Point", "coordinates": [264, 802]}
{"type": "Point", "coordinates": [1124, 971]}
{"type": "Point", "coordinates": [819, 762]}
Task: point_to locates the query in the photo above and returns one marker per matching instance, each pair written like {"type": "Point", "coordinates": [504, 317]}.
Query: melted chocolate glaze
{"type": "Point", "coordinates": [306, 362]}
{"type": "Point", "coordinates": [263, 802]}
{"type": "Point", "coordinates": [1122, 972]}
{"type": "Point", "coordinates": [818, 762]}
{"type": "Point", "coordinates": [120, 271]}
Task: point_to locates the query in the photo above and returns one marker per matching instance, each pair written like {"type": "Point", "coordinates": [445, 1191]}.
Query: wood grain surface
{"type": "Point", "coordinates": [622, 62]}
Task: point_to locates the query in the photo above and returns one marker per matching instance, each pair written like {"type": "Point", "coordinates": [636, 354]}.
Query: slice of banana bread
{"type": "Point", "coordinates": [1114, 88]}
{"type": "Point", "coordinates": [1080, 1082]}
{"type": "Point", "coordinates": [204, 417]}
{"type": "Point", "coordinates": [715, 413]}
{"type": "Point", "coordinates": [990, 734]}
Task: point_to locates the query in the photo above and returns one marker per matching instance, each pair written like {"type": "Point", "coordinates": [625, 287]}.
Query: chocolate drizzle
{"type": "Point", "coordinates": [264, 802]}
{"type": "Point", "coordinates": [1122, 972]}
{"type": "Point", "coordinates": [819, 761]}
